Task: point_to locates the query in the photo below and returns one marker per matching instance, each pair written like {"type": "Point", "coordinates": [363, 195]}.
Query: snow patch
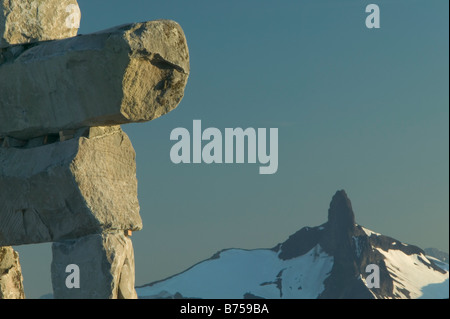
{"type": "Point", "coordinates": [412, 275]}
{"type": "Point", "coordinates": [259, 272]}
{"type": "Point", "coordinates": [370, 232]}
{"type": "Point", "coordinates": [441, 264]}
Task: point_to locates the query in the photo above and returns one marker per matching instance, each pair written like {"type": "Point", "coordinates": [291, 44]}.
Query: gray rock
{"type": "Point", "coordinates": [106, 267]}
{"type": "Point", "coordinates": [11, 280]}
{"type": "Point", "coordinates": [25, 21]}
{"type": "Point", "coordinates": [68, 189]}
{"type": "Point", "coordinates": [131, 73]}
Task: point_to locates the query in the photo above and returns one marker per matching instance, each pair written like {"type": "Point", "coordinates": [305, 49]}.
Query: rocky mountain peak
{"type": "Point", "coordinates": [335, 254]}
{"type": "Point", "coordinates": [340, 213]}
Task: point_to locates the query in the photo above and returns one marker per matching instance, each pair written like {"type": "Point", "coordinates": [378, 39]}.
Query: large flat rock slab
{"type": "Point", "coordinates": [68, 189]}
{"type": "Point", "coordinates": [131, 73]}
{"type": "Point", "coordinates": [27, 21]}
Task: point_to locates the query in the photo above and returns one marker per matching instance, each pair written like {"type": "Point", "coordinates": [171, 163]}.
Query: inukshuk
{"type": "Point", "coordinates": [67, 170]}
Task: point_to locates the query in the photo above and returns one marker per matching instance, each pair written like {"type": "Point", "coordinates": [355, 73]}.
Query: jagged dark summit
{"type": "Point", "coordinates": [353, 249]}
{"type": "Point", "coordinates": [328, 261]}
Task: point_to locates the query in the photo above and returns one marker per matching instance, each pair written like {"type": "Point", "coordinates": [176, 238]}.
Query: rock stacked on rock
{"type": "Point", "coordinates": [67, 170]}
{"type": "Point", "coordinates": [69, 189]}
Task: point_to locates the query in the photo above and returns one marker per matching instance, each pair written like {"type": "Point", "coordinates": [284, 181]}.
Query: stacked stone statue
{"type": "Point", "coordinates": [67, 170]}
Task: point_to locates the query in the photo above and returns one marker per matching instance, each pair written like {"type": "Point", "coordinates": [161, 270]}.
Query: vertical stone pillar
{"type": "Point", "coordinates": [103, 263]}
{"type": "Point", "coordinates": [11, 281]}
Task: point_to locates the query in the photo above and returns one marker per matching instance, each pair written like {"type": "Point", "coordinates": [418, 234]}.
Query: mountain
{"type": "Point", "coordinates": [327, 261]}
{"type": "Point", "coordinates": [438, 254]}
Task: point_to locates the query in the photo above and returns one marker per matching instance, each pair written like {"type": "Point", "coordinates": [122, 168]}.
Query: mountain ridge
{"type": "Point", "coordinates": [330, 260]}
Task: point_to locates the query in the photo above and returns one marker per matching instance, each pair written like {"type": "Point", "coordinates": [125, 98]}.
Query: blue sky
{"type": "Point", "coordinates": [357, 109]}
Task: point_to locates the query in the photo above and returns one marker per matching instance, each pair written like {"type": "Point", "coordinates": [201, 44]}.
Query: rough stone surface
{"type": "Point", "coordinates": [106, 267]}
{"type": "Point", "coordinates": [25, 21]}
{"type": "Point", "coordinates": [68, 189]}
{"type": "Point", "coordinates": [11, 281]}
{"type": "Point", "coordinates": [131, 73]}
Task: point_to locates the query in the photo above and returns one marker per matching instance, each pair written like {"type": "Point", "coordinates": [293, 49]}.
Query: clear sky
{"type": "Point", "coordinates": [365, 110]}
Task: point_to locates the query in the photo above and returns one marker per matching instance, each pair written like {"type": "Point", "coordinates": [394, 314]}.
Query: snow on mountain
{"type": "Point", "coordinates": [412, 274]}
{"type": "Point", "coordinates": [436, 253]}
{"type": "Point", "coordinates": [327, 261]}
{"type": "Point", "coordinates": [236, 273]}
{"type": "Point", "coordinates": [370, 232]}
